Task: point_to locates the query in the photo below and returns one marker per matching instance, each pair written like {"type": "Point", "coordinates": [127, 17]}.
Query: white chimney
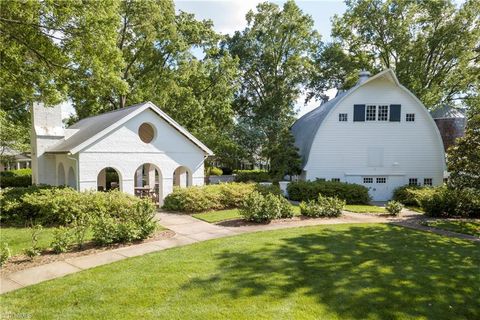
{"type": "Point", "coordinates": [363, 75]}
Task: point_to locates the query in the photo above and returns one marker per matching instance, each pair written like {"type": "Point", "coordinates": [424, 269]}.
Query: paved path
{"type": "Point", "coordinates": [188, 230]}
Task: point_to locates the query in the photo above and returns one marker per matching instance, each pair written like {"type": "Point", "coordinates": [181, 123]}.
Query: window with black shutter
{"type": "Point", "coordinates": [395, 112]}
{"type": "Point", "coordinates": [358, 112]}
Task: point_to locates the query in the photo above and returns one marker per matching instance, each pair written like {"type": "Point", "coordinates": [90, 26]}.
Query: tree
{"type": "Point", "coordinates": [276, 54]}
{"type": "Point", "coordinates": [464, 157]}
{"type": "Point", "coordinates": [13, 137]}
{"type": "Point", "coordinates": [433, 47]}
{"type": "Point", "coordinates": [285, 158]}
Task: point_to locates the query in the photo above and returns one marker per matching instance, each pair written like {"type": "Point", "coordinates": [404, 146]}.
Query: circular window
{"type": "Point", "coordinates": [146, 132]}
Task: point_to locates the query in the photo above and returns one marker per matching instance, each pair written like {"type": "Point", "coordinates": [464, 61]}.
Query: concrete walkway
{"type": "Point", "coordinates": [188, 230]}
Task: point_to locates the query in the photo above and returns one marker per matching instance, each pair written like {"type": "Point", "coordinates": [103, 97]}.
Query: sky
{"type": "Point", "coordinates": [228, 16]}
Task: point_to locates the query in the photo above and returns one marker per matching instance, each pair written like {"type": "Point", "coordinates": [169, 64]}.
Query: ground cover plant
{"type": "Point", "coordinates": [368, 271]}
{"type": "Point", "coordinates": [309, 190]}
{"type": "Point", "coordinates": [471, 227]}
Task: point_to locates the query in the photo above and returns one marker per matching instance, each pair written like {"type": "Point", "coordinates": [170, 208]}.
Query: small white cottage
{"type": "Point", "coordinates": [377, 134]}
{"type": "Point", "coordinates": [139, 150]}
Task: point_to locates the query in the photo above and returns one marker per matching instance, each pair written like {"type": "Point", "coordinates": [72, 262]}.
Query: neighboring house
{"type": "Point", "coordinates": [451, 123]}
{"type": "Point", "coordinates": [139, 150]}
{"type": "Point", "coordinates": [377, 134]}
{"type": "Point", "coordinates": [13, 159]}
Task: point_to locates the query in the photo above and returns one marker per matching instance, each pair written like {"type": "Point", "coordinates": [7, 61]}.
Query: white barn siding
{"type": "Point", "coordinates": [398, 150]}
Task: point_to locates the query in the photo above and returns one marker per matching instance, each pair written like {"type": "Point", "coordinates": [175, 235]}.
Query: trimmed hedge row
{"type": "Point", "coordinates": [16, 178]}
{"type": "Point", "coordinates": [309, 190]}
{"type": "Point", "coordinates": [252, 176]}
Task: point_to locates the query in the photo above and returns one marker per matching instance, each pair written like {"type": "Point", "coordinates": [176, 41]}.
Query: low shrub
{"type": "Point", "coordinates": [16, 173]}
{"type": "Point", "coordinates": [309, 190]}
{"type": "Point", "coordinates": [214, 171]}
{"type": "Point", "coordinates": [252, 176]}
{"type": "Point", "coordinates": [211, 197]}
{"type": "Point", "coordinates": [411, 195]}
{"type": "Point", "coordinates": [270, 188]}
{"type": "Point", "coordinates": [62, 240]}
{"type": "Point", "coordinates": [5, 253]}
{"type": "Point", "coordinates": [322, 207]}
{"type": "Point", "coordinates": [446, 202]}
{"type": "Point", "coordinates": [394, 207]}
{"type": "Point", "coordinates": [34, 249]}
{"type": "Point", "coordinates": [264, 208]}
{"type": "Point", "coordinates": [16, 178]}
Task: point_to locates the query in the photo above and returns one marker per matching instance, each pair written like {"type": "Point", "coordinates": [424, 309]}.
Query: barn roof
{"type": "Point", "coordinates": [89, 130]}
{"type": "Point", "coordinates": [306, 127]}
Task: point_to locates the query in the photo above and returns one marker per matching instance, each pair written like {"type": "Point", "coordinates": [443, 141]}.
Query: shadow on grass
{"type": "Point", "coordinates": [385, 272]}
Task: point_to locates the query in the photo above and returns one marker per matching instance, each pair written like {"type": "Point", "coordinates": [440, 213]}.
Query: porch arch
{"type": "Point", "coordinates": [61, 175]}
{"type": "Point", "coordinates": [109, 178]}
{"type": "Point", "coordinates": [148, 181]}
{"type": "Point", "coordinates": [182, 177]}
{"type": "Point", "coordinates": [72, 180]}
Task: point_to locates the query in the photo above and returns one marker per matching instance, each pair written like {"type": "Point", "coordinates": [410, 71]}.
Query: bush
{"type": "Point", "coordinates": [13, 209]}
{"type": "Point", "coordinates": [17, 173]}
{"type": "Point", "coordinates": [446, 202]}
{"type": "Point", "coordinates": [211, 197]}
{"type": "Point", "coordinates": [411, 195]}
{"type": "Point", "coordinates": [214, 171]}
{"type": "Point", "coordinates": [62, 240]}
{"type": "Point", "coordinates": [252, 176]}
{"type": "Point", "coordinates": [266, 189]}
{"type": "Point", "coordinates": [264, 208]}
{"type": "Point", "coordinates": [5, 253]}
{"type": "Point", "coordinates": [16, 178]}
{"type": "Point", "coordinates": [394, 207]}
{"type": "Point", "coordinates": [309, 190]}
{"type": "Point", "coordinates": [322, 207]}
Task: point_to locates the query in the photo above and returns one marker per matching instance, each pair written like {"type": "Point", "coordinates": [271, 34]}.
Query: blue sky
{"type": "Point", "coordinates": [229, 16]}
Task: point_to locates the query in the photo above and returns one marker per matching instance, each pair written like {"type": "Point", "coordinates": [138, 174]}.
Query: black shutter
{"type": "Point", "coordinates": [395, 112]}
{"type": "Point", "coordinates": [358, 112]}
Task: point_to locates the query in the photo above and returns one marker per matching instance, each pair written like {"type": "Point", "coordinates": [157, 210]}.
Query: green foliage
{"type": "Point", "coordinates": [284, 157]}
{"type": "Point", "coordinates": [214, 171]}
{"type": "Point", "coordinates": [447, 202]}
{"type": "Point", "coordinates": [394, 207]}
{"type": "Point", "coordinates": [211, 197]}
{"type": "Point", "coordinates": [5, 253]}
{"type": "Point", "coordinates": [62, 240]}
{"type": "Point", "coordinates": [16, 173]}
{"type": "Point", "coordinates": [322, 207]}
{"type": "Point", "coordinates": [309, 190]}
{"type": "Point", "coordinates": [34, 250]}
{"type": "Point", "coordinates": [264, 208]}
{"type": "Point", "coordinates": [252, 176]}
{"type": "Point", "coordinates": [15, 181]}
{"type": "Point", "coordinates": [268, 188]}
{"type": "Point", "coordinates": [431, 45]}
{"type": "Point", "coordinates": [412, 195]}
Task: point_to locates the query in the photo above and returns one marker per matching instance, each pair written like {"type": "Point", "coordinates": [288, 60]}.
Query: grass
{"type": "Point", "coordinates": [364, 208]}
{"type": "Point", "coordinates": [222, 215]}
{"type": "Point", "coordinates": [19, 239]}
{"type": "Point", "coordinates": [369, 271]}
{"type": "Point", "coordinates": [460, 226]}
{"type": "Point", "coordinates": [416, 209]}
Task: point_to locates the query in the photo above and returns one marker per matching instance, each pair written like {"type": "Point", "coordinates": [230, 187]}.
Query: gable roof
{"type": "Point", "coordinates": [89, 130]}
{"type": "Point", "coordinates": [305, 128]}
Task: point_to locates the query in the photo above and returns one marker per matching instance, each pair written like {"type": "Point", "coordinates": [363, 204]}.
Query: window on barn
{"type": "Point", "coordinates": [413, 182]}
{"type": "Point", "coordinates": [410, 117]}
{"type": "Point", "coordinates": [382, 113]}
{"type": "Point", "coordinates": [371, 113]}
{"type": "Point", "coordinates": [335, 179]}
{"type": "Point", "coordinates": [381, 180]}
{"type": "Point", "coordinates": [367, 180]}
{"type": "Point", "coordinates": [342, 117]}
{"type": "Point", "coordinates": [427, 181]}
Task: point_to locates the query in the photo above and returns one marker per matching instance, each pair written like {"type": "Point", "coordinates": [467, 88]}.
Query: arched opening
{"type": "Point", "coordinates": [72, 180]}
{"type": "Point", "coordinates": [182, 177]}
{"type": "Point", "coordinates": [108, 179]}
{"type": "Point", "coordinates": [61, 175]}
{"type": "Point", "coordinates": [148, 182]}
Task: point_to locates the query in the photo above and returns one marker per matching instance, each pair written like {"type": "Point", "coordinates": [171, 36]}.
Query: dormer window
{"type": "Point", "coordinates": [410, 117]}
{"type": "Point", "coordinates": [343, 117]}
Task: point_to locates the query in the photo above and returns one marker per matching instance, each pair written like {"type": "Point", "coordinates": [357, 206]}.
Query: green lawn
{"type": "Point", "coordinates": [370, 271]}
{"type": "Point", "coordinates": [466, 227]}
{"type": "Point", "coordinates": [364, 208]}
{"type": "Point", "coordinates": [222, 215]}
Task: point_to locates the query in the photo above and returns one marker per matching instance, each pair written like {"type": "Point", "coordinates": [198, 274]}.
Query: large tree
{"type": "Point", "coordinates": [276, 52]}
{"type": "Point", "coordinates": [433, 46]}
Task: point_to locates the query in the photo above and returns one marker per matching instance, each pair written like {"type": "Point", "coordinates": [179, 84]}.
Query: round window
{"type": "Point", "coordinates": [146, 132]}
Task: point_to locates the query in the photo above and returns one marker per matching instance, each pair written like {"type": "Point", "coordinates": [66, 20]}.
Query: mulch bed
{"type": "Point", "coordinates": [21, 261]}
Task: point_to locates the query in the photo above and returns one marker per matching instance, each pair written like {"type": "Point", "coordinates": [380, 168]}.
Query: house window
{"type": "Point", "coordinates": [335, 179]}
{"type": "Point", "coordinates": [367, 180]}
{"type": "Point", "coordinates": [410, 117]}
{"type": "Point", "coordinates": [342, 117]}
{"type": "Point", "coordinates": [413, 182]}
{"type": "Point", "coordinates": [146, 132]}
{"type": "Point", "coordinates": [427, 181]}
{"type": "Point", "coordinates": [382, 113]}
{"type": "Point", "coordinates": [382, 180]}
{"type": "Point", "coordinates": [371, 113]}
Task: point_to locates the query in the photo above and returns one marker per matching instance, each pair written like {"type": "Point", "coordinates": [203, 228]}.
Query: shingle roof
{"type": "Point", "coordinates": [88, 128]}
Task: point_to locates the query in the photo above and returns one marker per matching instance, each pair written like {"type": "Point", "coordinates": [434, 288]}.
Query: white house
{"type": "Point", "coordinates": [138, 149]}
{"type": "Point", "coordinates": [377, 134]}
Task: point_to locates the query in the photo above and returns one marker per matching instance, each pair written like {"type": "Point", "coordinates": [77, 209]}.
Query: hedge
{"type": "Point", "coordinates": [411, 195]}
{"type": "Point", "coordinates": [16, 178]}
{"type": "Point", "coordinates": [252, 176]}
{"type": "Point", "coordinates": [309, 190]}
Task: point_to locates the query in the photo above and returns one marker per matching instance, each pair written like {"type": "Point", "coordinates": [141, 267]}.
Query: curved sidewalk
{"type": "Point", "coordinates": [188, 230]}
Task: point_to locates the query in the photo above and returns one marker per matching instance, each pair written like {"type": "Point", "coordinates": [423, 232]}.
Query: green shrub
{"type": "Point", "coordinates": [309, 190]}
{"type": "Point", "coordinates": [13, 209]}
{"type": "Point", "coordinates": [322, 207]}
{"type": "Point", "coordinates": [446, 202]}
{"type": "Point", "coordinates": [411, 195]}
{"type": "Point", "coordinates": [15, 181]}
{"type": "Point", "coordinates": [252, 176]}
{"type": "Point", "coordinates": [16, 173]}
{"type": "Point", "coordinates": [394, 207]}
{"type": "Point", "coordinates": [62, 240]}
{"type": "Point", "coordinates": [214, 171]}
{"type": "Point", "coordinates": [34, 249]}
{"type": "Point", "coordinates": [5, 253]}
{"type": "Point", "coordinates": [266, 189]}
{"type": "Point", "coordinates": [264, 208]}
